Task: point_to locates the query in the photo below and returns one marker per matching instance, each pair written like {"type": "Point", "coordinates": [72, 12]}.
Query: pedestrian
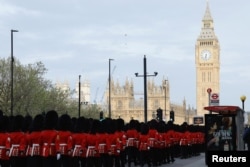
{"type": "Point", "coordinates": [246, 137]}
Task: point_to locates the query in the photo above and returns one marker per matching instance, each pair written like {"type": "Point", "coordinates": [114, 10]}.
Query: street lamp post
{"type": "Point", "coordinates": [165, 94]}
{"type": "Point", "coordinates": [11, 67]}
{"type": "Point", "coordinates": [79, 102]}
{"type": "Point", "coordinates": [110, 87]}
{"type": "Point", "coordinates": [243, 98]}
{"type": "Point", "coordinates": [145, 75]}
{"type": "Point", "coordinates": [209, 91]}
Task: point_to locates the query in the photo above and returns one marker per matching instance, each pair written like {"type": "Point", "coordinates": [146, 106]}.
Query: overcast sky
{"type": "Point", "coordinates": [77, 37]}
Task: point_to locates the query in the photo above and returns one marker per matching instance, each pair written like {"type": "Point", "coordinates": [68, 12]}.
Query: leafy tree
{"type": "Point", "coordinates": [32, 93]}
{"type": "Point", "coordinates": [91, 111]}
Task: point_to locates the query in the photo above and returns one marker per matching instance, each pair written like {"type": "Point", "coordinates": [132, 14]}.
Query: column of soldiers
{"type": "Point", "coordinates": [61, 141]}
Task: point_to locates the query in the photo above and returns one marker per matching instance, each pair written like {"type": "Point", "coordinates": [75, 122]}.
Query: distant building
{"type": "Point", "coordinates": [64, 86]}
{"type": "Point", "coordinates": [85, 91]}
{"type": "Point", "coordinates": [84, 87]}
{"type": "Point", "coordinates": [125, 105]}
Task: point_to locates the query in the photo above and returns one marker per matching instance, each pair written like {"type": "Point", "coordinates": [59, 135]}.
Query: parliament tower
{"type": "Point", "coordinates": [207, 60]}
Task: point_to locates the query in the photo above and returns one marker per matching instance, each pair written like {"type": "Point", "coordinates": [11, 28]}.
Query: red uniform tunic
{"type": "Point", "coordinates": [176, 137]}
{"type": "Point", "coordinates": [161, 140]}
{"type": "Point", "coordinates": [168, 140]}
{"type": "Point", "coordinates": [143, 142]}
{"type": "Point", "coordinates": [62, 140]}
{"type": "Point", "coordinates": [16, 144]}
{"type": "Point", "coordinates": [121, 137]}
{"type": "Point", "coordinates": [189, 137]}
{"type": "Point", "coordinates": [102, 143]}
{"type": "Point", "coordinates": [78, 145]}
{"type": "Point", "coordinates": [194, 137]}
{"type": "Point", "coordinates": [92, 145]}
{"type": "Point", "coordinates": [112, 140]}
{"type": "Point", "coordinates": [201, 138]}
{"type": "Point", "coordinates": [183, 139]}
{"type": "Point", "coordinates": [153, 138]}
{"type": "Point", "coordinates": [34, 143]}
{"type": "Point", "coordinates": [3, 138]}
{"type": "Point", "coordinates": [48, 140]}
{"type": "Point", "coordinates": [132, 136]}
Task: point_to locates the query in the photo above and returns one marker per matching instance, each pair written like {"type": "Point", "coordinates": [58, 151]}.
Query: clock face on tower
{"type": "Point", "coordinates": [205, 55]}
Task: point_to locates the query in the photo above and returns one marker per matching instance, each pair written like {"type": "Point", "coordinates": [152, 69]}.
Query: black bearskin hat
{"type": "Point", "coordinates": [51, 119]}
{"type": "Point", "coordinates": [4, 123]}
{"type": "Point", "coordinates": [95, 125]}
{"type": "Point", "coordinates": [79, 125]}
{"type": "Point", "coordinates": [1, 113]}
{"type": "Point", "coordinates": [120, 124]}
{"type": "Point", "coordinates": [17, 123]}
{"type": "Point", "coordinates": [109, 125]}
{"type": "Point", "coordinates": [144, 128]}
{"type": "Point", "coordinates": [161, 127]}
{"type": "Point", "coordinates": [64, 122]}
{"type": "Point", "coordinates": [132, 124]}
{"type": "Point", "coordinates": [27, 123]}
{"type": "Point", "coordinates": [153, 124]}
{"type": "Point", "coordinates": [37, 124]}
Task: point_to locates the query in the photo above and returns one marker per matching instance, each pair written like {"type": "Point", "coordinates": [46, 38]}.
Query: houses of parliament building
{"type": "Point", "coordinates": [126, 106]}
{"type": "Point", "coordinates": [124, 103]}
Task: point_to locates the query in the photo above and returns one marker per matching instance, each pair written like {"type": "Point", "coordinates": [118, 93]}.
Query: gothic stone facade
{"type": "Point", "coordinates": [125, 105]}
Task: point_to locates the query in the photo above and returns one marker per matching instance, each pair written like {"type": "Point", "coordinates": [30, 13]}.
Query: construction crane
{"type": "Point", "coordinates": [96, 92]}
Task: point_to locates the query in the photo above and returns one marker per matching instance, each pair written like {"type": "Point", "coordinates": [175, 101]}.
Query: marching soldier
{"type": "Point", "coordinates": [144, 156]}
{"type": "Point", "coordinates": [102, 138]}
{"type": "Point", "coordinates": [175, 137]}
{"type": "Point", "coordinates": [92, 155]}
{"type": "Point", "coordinates": [132, 136]}
{"type": "Point", "coordinates": [63, 138]}
{"type": "Point", "coordinates": [78, 143]}
{"type": "Point", "coordinates": [4, 158]}
{"type": "Point", "coordinates": [121, 141]}
{"type": "Point", "coordinates": [161, 142]}
{"type": "Point", "coordinates": [16, 143]}
{"type": "Point", "coordinates": [170, 140]}
{"type": "Point", "coordinates": [34, 142]}
{"type": "Point", "coordinates": [112, 140]}
{"type": "Point", "coordinates": [184, 145]}
{"type": "Point", "coordinates": [153, 142]}
{"type": "Point", "coordinates": [48, 139]}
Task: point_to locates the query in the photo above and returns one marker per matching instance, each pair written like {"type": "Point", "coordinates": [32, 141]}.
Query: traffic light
{"type": "Point", "coordinates": [159, 114]}
{"type": "Point", "coordinates": [172, 116]}
{"type": "Point", "coordinates": [101, 115]}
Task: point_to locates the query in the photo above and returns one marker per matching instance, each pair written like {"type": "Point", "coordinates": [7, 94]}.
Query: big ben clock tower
{"type": "Point", "coordinates": [207, 60]}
